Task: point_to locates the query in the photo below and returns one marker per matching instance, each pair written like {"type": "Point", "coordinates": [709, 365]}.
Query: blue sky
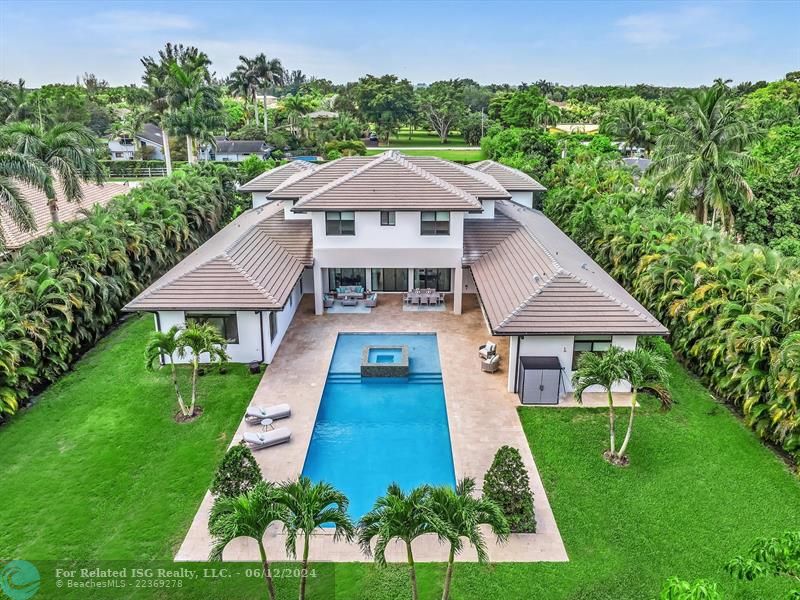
{"type": "Point", "coordinates": [667, 43]}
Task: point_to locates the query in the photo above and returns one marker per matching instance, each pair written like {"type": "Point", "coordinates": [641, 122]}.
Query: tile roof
{"type": "Point", "coordinates": [251, 264]}
{"type": "Point", "coordinates": [240, 146]}
{"type": "Point", "coordinates": [390, 181]}
{"type": "Point", "coordinates": [269, 180]}
{"type": "Point", "coordinates": [473, 181]}
{"type": "Point", "coordinates": [67, 211]}
{"type": "Point", "coordinates": [300, 184]}
{"type": "Point", "coordinates": [152, 133]}
{"type": "Point", "coordinates": [511, 179]}
{"type": "Point", "coordinates": [535, 280]}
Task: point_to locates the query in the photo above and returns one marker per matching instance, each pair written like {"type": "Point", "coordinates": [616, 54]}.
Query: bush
{"type": "Point", "coordinates": [346, 147]}
{"type": "Point", "coordinates": [333, 155]}
{"type": "Point", "coordinates": [71, 284]}
{"type": "Point", "coordinates": [237, 473]}
{"type": "Point", "coordinates": [507, 483]}
{"type": "Point", "coordinates": [677, 589]}
{"type": "Point", "coordinates": [534, 144]}
{"type": "Point", "coordinates": [253, 166]}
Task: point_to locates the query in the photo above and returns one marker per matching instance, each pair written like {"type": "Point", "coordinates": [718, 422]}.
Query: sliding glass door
{"type": "Point", "coordinates": [438, 279]}
{"type": "Point", "coordinates": [390, 280]}
{"type": "Point", "coordinates": [347, 276]}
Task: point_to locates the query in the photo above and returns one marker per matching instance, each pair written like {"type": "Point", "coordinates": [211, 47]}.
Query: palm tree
{"type": "Point", "coordinates": [248, 515]}
{"type": "Point", "coordinates": [643, 369]}
{"type": "Point", "coordinates": [464, 513]}
{"type": "Point", "coordinates": [603, 369]}
{"type": "Point", "coordinates": [702, 158]}
{"type": "Point", "coordinates": [308, 506]}
{"type": "Point", "coordinates": [14, 101]}
{"type": "Point", "coordinates": [194, 100]}
{"type": "Point", "coordinates": [268, 74]}
{"type": "Point", "coordinates": [200, 338]}
{"type": "Point", "coordinates": [66, 150]}
{"type": "Point", "coordinates": [164, 344]}
{"type": "Point", "coordinates": [295, 106]}
{"type": "Point", "coordinates": [547, 114]}
{"type": "Point", "coordinates": [397, 515]}
{"type": "Point", "coordinates": [344, 127]}
{"type": "Point", "coordinates": [630, 122]}
{"type": "Point", "coordinates": [244, 82]}
{"type": "Point", "coordinates": [131, 123]}
{"type": "Point", "coordinates": [15, 167]}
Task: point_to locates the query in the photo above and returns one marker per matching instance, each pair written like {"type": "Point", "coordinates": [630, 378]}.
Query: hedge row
{"type": "Point", "coordinates": [733, 310]}
{"type": "Point", "coordinates": [62, 292]}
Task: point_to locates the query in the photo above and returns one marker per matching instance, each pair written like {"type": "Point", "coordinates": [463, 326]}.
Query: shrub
{"type": "Point", "coordinates": [254, 165]}
{"type": "Point", "coordinates": [346, 147]}
{"type": "Point", "coordinates": [677, 589]}
{"type": "Point", "coordinates": [237, 473]}
{"type": "Point", "coordinates": [507, 483]}
{"type": "Point", "coordinates": [71, 284]}
{"type": "Point", "coordinates": [333, 155]}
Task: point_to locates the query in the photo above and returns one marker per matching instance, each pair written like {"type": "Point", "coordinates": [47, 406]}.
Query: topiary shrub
{"type": "Point", "coordinates": [237, 473]}
{"type": "Point", "coordinates": [507, 483]}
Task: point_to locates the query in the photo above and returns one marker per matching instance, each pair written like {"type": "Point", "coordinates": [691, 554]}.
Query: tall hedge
{"type": "Point", "coordinates": [62, 292]}
{"type": "Point", "coordinates": [733, 310]}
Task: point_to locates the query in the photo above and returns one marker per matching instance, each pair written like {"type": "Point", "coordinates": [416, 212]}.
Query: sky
{"type": "Point", "coordinates": [658, 42]}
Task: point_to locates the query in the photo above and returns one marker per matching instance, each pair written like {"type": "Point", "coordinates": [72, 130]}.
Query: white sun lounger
{"type": "Point", "coordinates": [265, 439]}
{"type": "Point", "coordinates": [256, 414]}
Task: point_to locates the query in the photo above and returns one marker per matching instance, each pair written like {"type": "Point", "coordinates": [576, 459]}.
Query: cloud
{"type": "Point", "coordinates": [131, 21]}
{"type": "Point", "coordinates": [690, 26]}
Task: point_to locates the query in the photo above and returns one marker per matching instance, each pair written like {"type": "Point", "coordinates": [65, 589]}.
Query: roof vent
{"type": "Point", "coordinates": [584, 266]}
{"type": "Point", "coordinates": [536, 278]}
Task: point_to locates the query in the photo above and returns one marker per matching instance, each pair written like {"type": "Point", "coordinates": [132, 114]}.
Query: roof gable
{"type": "Point", "coordinates": [510, 178]}
{"type": "Point", "coordinates": [388, 182]}
{"type": "Point", "coordinates": [269, 180]}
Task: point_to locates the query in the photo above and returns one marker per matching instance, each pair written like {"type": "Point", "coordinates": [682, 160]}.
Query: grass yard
{"type": "Point", "coordinates": [464, 156]}
{"type": "Point", "coordinates": [424, 138]}
{"type": "Point", "coordinates": [99, 471]}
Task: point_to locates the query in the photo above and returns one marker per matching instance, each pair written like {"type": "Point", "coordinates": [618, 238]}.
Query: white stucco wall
{"type": "Point", "coordinates": [249, 326]}
{"type": "Point", "coordinates": [469, 283]}
{"type": "Point", "coordinates": [488, 211]}
{"type": "Point", "coordinates": [260, 199]}
{"type": "Point", "coordinates": [523, 198]}
{"type": "Point", "coordinates": [562, 347]}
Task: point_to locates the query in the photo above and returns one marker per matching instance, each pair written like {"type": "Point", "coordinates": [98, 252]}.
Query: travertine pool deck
{"type": "Point", "coordinates": [481, 414]}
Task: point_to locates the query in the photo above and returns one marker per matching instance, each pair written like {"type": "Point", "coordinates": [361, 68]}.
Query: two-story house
{"type": "Point", "coordinates": [392, 223]}
{"type": "Point", "coordinates": [148, 142]}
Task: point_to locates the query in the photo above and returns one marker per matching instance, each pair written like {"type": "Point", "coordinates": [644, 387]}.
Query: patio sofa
{"type": "Point", "coordinates": [350, 290]}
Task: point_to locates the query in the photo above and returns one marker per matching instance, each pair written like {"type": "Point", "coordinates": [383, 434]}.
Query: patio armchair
{"type": "Point", "coordinates": [414, 298]}
{"type": "Point", "coordinates": [406, 298]}
{"type": "Point", "coordinates": [371, 300]}
{"type": "Point", "coordinates": [327, 301]}
{"type": "Point", "coordinates": [491, 365]}
{"type": "Point", "coordinates": [487, 350]}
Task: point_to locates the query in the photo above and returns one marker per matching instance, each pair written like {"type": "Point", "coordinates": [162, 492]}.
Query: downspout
{"type": "Point", "coordinates": [261, 331]}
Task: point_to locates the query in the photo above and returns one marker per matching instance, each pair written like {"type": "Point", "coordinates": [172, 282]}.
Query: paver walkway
{"type": "Point", "coordinates": [481, 414]}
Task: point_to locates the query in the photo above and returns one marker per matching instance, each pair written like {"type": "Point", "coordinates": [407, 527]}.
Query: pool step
{"type": "Point", "coordinates": [356, 378]}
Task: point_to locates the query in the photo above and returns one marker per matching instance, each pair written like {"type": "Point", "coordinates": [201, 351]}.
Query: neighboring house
{"type": "Point", "coordinates": [392, 223]}
{"type": "Point", "coordinates": [322, 115]}
{"type": "Point", "coordinates": [67, 211]}
{"type": "Point", "coordinates": [590, 128]}
{"type": "Point", "coordinates": [148, 142]}
{"type": "Point", "coordinates": [235, 150]}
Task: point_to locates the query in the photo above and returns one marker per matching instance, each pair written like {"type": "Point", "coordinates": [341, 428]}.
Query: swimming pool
{"type": "Point", "coordinates": [372, 432]}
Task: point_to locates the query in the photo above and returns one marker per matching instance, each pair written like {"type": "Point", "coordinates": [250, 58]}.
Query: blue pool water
{"type": "Point", "coordinates": [371, 433]}
{"type": "Point", "coordinates": [384, 355]}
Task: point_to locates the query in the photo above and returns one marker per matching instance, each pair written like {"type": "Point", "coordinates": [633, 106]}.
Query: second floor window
{"type": "Point", "coordinates": [340, 223]}
{"type": "Point", "coordinates": [387, 217]}
{"type": "Point", "coordinates": [435, 223]}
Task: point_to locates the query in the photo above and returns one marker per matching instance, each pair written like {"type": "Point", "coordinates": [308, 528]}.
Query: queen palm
{"type": "Point", "coordinates": [67, 152]}
{"type": "Point", "coordinates": [464, 514]}
{"type": "Point", "coordinates": [16, 168]}
{"type": "Point", "coordinates": [197, 339]}
{"type": "Point", "coordinates": [309, 506]}
{"type": "Point", "coordinates": [247, 515]}
{"type": "Point", "coordinates": [603, 369]}
{"type": "Point", "coordinates": [643, 369]}
{"type": "Point", "coordinates": [164, 345]}
{"type": "Point", "coordinates": [702, 157]}
{"type": "Point", "coordinates": [397, 515]}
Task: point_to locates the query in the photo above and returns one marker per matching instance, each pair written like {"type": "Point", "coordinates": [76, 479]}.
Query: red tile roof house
{"type": "Point", "coordinates": [392, 223]}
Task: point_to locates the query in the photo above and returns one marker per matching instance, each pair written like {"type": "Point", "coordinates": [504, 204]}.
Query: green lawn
{"type": "Point", "coordinates": [424, 138]}
{"type": "Point", "coordinates": [465, 156]}
{"type": "Point", "coordinates": [98, 470]}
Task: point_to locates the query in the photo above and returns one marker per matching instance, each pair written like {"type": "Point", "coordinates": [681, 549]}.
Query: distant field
{"type": "Point", "coordinates": [424, 138]}
{"type": "Point", "coordinates": [446, 153]}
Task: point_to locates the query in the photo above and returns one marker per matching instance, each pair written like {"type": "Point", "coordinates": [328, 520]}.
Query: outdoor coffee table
{"type": "Point", "coordinates": [267, 424]}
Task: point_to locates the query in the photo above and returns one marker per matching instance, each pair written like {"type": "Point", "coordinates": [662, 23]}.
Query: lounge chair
{"type": "Point", "coordinates": [488, 350]}
{"type": "Point", "coordinates": [491, 365]}
{"type": "Point", "coordinates": [265, 439]}
{"type": "Point", "coordinates": [255, 414]}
